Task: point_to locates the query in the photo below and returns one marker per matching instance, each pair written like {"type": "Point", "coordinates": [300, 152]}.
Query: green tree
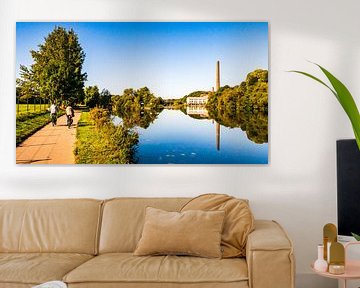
{"type": "Point", "coordinates": [105, 98]}
{"type": "Point", "coordinates": [136, 107]}
{"type": "Point", "coordinates": [26, 86]}
{"type": "Point", "coordinates": [92, 96]}
{"type": "Point", "coordinates": [57, 68]}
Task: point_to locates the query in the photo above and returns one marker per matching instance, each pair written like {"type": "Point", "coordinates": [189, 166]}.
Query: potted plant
{"type": "Point", "coordinates": [346, 100]}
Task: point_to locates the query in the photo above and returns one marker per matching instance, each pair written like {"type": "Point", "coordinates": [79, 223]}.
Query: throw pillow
{"type": "Point", "coordinates": [196, 233]}
{"type": "Point", "coordinates": [238, 224]}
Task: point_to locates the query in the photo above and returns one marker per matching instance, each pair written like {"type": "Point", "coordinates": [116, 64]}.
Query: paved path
{"type": "Point", "coordinates": [50, 145]}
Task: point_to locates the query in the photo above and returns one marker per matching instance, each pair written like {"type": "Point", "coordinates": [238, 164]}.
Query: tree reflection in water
{"type": "Point", "coordinates": [254, 123]}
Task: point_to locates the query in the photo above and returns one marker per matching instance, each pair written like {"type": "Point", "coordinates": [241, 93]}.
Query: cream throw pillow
{"type": "Point", "coordinates": [193, 232]}
{"type": "Point", "coordinates": [238, 223]}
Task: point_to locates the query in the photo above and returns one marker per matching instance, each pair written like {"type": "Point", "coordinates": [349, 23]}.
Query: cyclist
{"type": "Point", "coordinates": [69, 115]}
{"type": "Point", "coordinates": [53, 113]}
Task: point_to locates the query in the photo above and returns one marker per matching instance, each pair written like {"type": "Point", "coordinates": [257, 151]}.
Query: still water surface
{"type": "Point", "coordinates": [177, 138]}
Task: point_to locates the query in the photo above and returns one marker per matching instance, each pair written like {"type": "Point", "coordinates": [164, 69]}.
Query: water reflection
{"type": "Point", "coordinates": [197, 110]}
{"type": "Point", "coordinates": [196, 135]}
{"type": "Point", "coordinates": [255, 124]}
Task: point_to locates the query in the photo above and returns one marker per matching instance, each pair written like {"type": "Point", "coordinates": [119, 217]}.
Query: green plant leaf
{"type": "Point", "coordinates": [344, 97]}
{"type": "Point", "coordinates": [316, 79]}
{"type": "Point", "coordinates": [356, 236]}
{"type": "Point", "coordinates": [346, 100]}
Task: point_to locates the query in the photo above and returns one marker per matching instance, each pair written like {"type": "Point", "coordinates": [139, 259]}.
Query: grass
{"type": "Point", "coordinates": [28, 124]}
{"type": "Point", "coordinates": [103, 143]}
{"type": "Point", "coordinates": [31, 108]}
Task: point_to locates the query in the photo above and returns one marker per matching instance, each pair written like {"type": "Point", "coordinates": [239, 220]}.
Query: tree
{"type": "Point", "coordinates": [92, 96]}
{"type": "Point", "coordinates": [26, 85]}
{"type": "Point", "coordinates": [105, 98]}
{"type": "Point", "coordinates": [57, 67]}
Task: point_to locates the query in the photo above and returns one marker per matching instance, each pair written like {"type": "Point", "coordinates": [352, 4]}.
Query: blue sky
{"type": "Point", "coordinates": [172, 59]}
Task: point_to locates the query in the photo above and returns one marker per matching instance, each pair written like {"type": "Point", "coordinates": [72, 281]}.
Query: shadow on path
{"type": "Point", "coordinates": [50, 145]}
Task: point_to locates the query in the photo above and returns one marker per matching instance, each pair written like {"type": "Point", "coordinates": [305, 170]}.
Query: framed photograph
{"type": "Point", "coordinates": [142, 92]}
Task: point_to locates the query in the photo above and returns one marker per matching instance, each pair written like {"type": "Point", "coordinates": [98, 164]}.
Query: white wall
{"type": "Point", "coordinates": [297, 188]}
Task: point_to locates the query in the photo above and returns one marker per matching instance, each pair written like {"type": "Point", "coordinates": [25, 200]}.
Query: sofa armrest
{"type": "Point", "coordinates": [269, 256]}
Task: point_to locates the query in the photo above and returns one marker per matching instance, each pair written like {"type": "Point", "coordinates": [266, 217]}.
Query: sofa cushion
{"type": "Point", "coordinates": [239, 220]}
{"type": "Point", "coordinates": [36, 268]}
{"type": "Point", "coordinates": [126, 268]}
{"type": "Point", "coordinates": [62, 226]}
{"type": "Point", "coordinates": [193, 232]}
{"type": "Point", "coordinates": [123, 220]}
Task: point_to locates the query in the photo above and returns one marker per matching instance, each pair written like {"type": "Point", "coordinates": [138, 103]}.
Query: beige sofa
{"type": "Point", "coordinates": [89, 243]}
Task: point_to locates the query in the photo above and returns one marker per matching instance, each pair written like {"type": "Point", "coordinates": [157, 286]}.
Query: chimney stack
{"type": "Point", "coordinates": [217, 76]}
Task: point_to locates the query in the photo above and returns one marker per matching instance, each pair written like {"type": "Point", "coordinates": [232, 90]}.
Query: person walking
{"type": "Point", "coordinates": [53, 113]}
{"type": "Point", "coordinates": [69, 115]}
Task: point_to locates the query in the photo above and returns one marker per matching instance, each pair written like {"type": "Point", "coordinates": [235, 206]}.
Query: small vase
{"type": "Point", "coordinates": [320, 264]}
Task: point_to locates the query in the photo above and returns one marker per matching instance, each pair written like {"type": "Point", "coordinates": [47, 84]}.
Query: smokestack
{"type": "Point", "coordinates": [218, 136]}
{"type": "Point", "coordinates": [217, 76]}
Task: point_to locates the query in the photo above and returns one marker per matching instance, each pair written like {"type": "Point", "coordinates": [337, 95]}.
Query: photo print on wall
{"type": "Point", "coordinates": [142, 93]}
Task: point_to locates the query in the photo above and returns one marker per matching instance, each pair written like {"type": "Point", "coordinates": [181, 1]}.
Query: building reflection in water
{"type": "Point", "coordinates": [198, 110]}
{"type": "Point", "coordinates": [202, 112]}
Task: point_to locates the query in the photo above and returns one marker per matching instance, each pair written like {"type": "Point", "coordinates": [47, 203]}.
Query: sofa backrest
{"type": "Point", "coordinates": [123, 220]}
{"type": "Point", "coordinates": [67, 226]}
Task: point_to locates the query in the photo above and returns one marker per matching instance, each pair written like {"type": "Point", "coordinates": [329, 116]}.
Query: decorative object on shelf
{"type": "Point", "coordinates": [329, 236]}
{"type": "Point", "coordinates": [320, 264]}
{"type": "Point", "coordinates": [351, 268]}
{"type": "Point", "coordinates": [336, 269]}
{"type": "Point", "coordinates": [337, 258]}
{"type": "Point", "coordinates": [344, 97]}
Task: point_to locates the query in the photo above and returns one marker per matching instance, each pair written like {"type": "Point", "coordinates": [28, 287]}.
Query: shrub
{"type": "Point", "coordinates": [99, 141]}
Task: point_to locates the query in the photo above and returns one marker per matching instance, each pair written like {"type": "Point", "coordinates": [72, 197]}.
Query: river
{"type": "Point", "coordinates": [177, 138]}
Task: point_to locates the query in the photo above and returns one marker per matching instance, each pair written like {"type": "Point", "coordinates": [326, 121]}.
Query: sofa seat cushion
{"type": "Point", "coordinates": [127, 268]}
{"type": "Point", "coordinates": [36, 268]}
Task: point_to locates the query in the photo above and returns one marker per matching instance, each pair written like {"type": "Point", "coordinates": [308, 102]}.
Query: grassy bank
{"type": "Point", "coordinates": [28, 124]}
{"type": "Point", "coordinates": [31, 108]}
{"type": "Point", "coordinates": [99, 141]}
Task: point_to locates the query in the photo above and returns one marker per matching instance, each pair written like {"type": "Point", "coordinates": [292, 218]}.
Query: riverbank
{"type": "Point", "coordinates": [99, 141]}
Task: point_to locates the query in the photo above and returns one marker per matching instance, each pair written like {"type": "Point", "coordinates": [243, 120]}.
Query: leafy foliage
{"type": "Point", "coordinates": [254, 123]}
{"type": "Point", "coordinates": [356, 236]}
{"type": "Point", "coordinates": [250, 95]}
{"type": "Point", "coordinates": [100, 117]}
{"type": "Point", "coordinates": [92, 96]}
{"type": "Point", "coordinates": [26, 86]}
{"type": "Point", "coordinates": [137, 107]}
{"type": "Point", "coordinates": [243, 106]}
{"type": "Point", "coordinates": [105, 99]}
{"type": "Point", "coordinates": [344, 97]}
{"type": "Point", "coordinates": [56, 73]}
{"type": "Point", "coordinates": [99, 141]}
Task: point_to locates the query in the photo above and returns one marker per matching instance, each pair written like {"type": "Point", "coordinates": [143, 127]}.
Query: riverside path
{"type": "Point", "coordinates": [50, 145]}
